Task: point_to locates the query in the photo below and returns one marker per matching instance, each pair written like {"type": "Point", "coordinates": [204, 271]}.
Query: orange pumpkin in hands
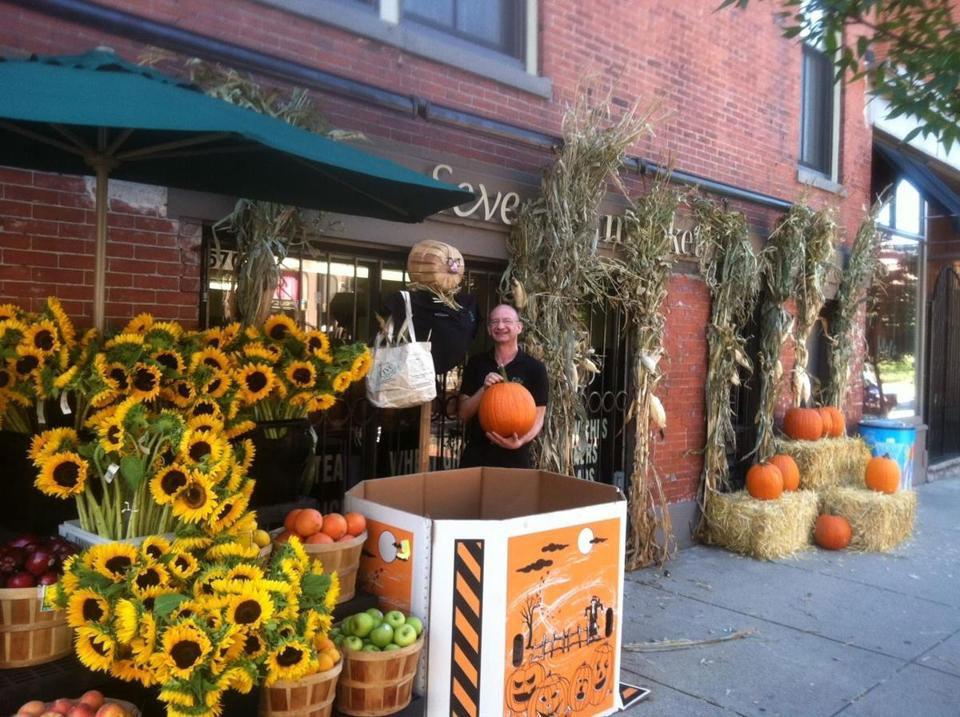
{"type": "Point", "coordinates": [832, 532]}
{"type": "Point", "coordinates": [788, 470]}
{"type": "Point", "coordinates": [764, 481]}
{"type": "Point", "coordinates": [883, 474]}
{"type": "Point", "coordinates": [803, 424]}
{"type": "Point", "coordinates": [507, 408]}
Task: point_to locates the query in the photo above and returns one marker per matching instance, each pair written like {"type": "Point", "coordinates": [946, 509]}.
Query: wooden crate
{"type": "Point", "coordinates": [342, 558]}
{"type": "Point", "coordinates": [28, 635]}
{"type": "Point", "coordinates": [310, 696]}
{"type": "Point", "coordinates": [377, 683]}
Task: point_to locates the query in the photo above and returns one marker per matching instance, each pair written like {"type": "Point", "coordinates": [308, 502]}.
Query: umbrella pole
{"type": "Point", "coordinates": [100, 248]}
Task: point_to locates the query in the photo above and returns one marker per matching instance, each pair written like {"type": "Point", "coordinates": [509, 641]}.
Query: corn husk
{"type": "Point", "coordinates": [829, 462]}
{"type": "Point", "coordinates": [878, 521]}
{"type": "Point", "coordinates": [763, 529]}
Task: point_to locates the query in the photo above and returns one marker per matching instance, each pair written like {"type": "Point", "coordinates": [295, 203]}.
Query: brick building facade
{"type": "Point", "coordinates": [726, 87]}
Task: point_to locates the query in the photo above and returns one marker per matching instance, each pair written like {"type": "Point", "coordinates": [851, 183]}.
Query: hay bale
{"type": "Point", "coordinates": [828, 462]}
{"type": "Point", "coordinates": [878, 521]}
{"type": "Point", "coordinates": [764, 529]}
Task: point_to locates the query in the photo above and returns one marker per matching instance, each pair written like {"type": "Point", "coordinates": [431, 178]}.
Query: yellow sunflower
{"type": "Point", "coordinates": [257, 350]}
{"type": "Point", "coordinates": [182, 394]}
{"type": "Point", "coordinates": [208, 422]}
{"type": "Point", "coordinates": [256, 381]}
{"type": "Point", "coordinates": [250, 608]}
{"type": "Point", "coordinates": [139, 324]}
{"type": "Point", "coordinates": [239, 679]}
{"type": "Point", "coordinates": [253, 644]}
{"type": "Point", "coordinates": [192, 543]}
{"type": "Point", "coordinates": [301, 374]}
{"type": "Point", "coordinates": [115, 376]}
{"type": "Point", "coordinates": [183, 565]}
{"type": "Point", "coordinates": [342, 381]}
{"type": "Point", "coordinates": [185, 647]}
{"type": "Point", "coordinates": [318, 344]}
{"type": "Point", "coordinates": [172, 330]}
{"type": "Point", "coordinates": [154, 547]}
{"type": "Point", "coordinates": [66, 377]}
{"type": "Point", "coordinates": [279, 327]}
{"type": "Point", "coordinates": [62, 475]}
{"type": "Point", "coordinates": [94, 647]}
{"type": "Point", "coordinates": [218, 384]}
{"type": "Point", "coordinates": [64, 324]}
{"type": "Point", "coordinates": [195, 501]}
{"type": "Point", "coordinates": [239, 429]}
{"type": "Point", "coordinates": [112, 436]}
{"type": "Point", "coordinates": [170, 359]}
{"type": "Point", "coordinates": [176, 697]}
{"type": "Point", "coordinates": [231, 549]}
{"type": "Point", "coordinates": [124, 339]}
{"type": "Point", "coordinates": [203, 585]}
{"type": "Point", "coordinates": [290, 661]}
{"type": "Point", "coordinates": [112, 560]}
{"type": "Point", "coordinates": [199, 446]}
{"type": "Point", "coordinates": [9, 311]}
{"type": "Point", "coordinates": [145, 642]}
{"type": "Point", "coordinates": [87, 606]}
{"type": "Point", "coordinates": [126, 621]}
{"type": "Point", "coordinates": [167, 483]}
{"type": "Point", "coordinates": [145, 381]}
{"type": "Point", "coordinates": [149, 576]}
{"type": "Point", "coordinates": [333, 592]}
{"type": "Point", "coordinates": [129, 671]}
{"type": "Point", "coordinates": [6, 377]}
{"type": "Point", "coordinates": [28, 361]}
{"type": "Point", "coordinates": [321, 402]}
{"type": "Point", "coordinates": [43, 337]}
{"type": "Point", "coordinates": [206, 407]}
{"type": "Point", "coordinates": [211, 357]}
{"type": "Point", "coordinates": [361, 365]}
{"type": "Point", "coordinates": [49, 442]}
{"type": "Point", "coordinates": [228, 512]}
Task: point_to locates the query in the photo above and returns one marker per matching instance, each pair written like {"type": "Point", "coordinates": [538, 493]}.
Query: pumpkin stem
{"type": "Point", "coordinates": [503, 372]}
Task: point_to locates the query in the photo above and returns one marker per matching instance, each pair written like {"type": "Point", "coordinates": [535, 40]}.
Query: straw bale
{"type": "Point", "coordinates": [764, 529]}
{"type": "Point", "coordinates": [829, 462]}
{"type": "Point", "coordinates": [878, 521]}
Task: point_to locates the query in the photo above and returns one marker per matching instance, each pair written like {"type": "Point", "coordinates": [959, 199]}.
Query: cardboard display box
{"type": "Point", "coordinates": [519, 574]}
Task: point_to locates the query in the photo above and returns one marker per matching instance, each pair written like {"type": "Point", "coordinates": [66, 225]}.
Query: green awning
{"type": "Point", "coordinates": [59, 114]}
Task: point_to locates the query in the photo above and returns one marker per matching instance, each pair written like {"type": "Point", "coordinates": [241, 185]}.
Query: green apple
{"type": "Point", "coordinates": [344, 627]}
{"type": "Point", "coordinates": [371, 648]}
{"type": "Point", "coordinates": [405, 635]}
{"type": "Point", "coordinates": [376, 614]}
{"type": "Point", "coordinates": [381, 635]}
{"type": "Point", "coordinates": [417, 624]}
{"type": "Point", "coordinates": [361, 624]}
{"type": "Point", "coordinates": [353, 643]}
{"type": "Point", "coordinates": [394, 619]}
{"type": "Point", "coordinates": [391, 647]}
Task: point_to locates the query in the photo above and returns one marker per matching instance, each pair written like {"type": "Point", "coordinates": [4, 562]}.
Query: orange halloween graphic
{"type": "Point", "coordinates": [386, 569]}
{"type": "Point", "coordinates": [562, 592]}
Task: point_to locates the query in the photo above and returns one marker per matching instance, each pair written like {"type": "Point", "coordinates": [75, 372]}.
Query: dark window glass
{"type": "Point", "coordinates": [816, 131]}
{"type": "Point", "coordinates": [495, 24]}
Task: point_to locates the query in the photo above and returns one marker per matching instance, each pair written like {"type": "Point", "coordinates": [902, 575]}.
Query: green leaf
{"type": "Point", "coordinates": [315, 586]}
{"type": "Point", "coordinates": [165, 604]}
{"type": "Point", "coordinates": [131, 467]}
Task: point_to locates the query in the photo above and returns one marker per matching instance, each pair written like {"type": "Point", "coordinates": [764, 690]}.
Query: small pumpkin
{"type": "Point", "coordinates": [582, 688]}
{"type": "Point", "coordinates": [789, 470]}
{"type": "Point", "coordinates": [883, 474]}
{"type": "Point", "coordinates": [764, 481]}
{"type": "Point", "coordinates": [602, 662]}
{"type": "Point", "coordinates": [803, 424]}
{"type": "Point", "coordinates": [550, 699]}
{"type": "Point", "coordinates": [832, 532]}
{"type": "Point", "coordinates": [436, 264]}
{"type": "Point", "coordinates": [522, 684]}
{"type": "Point", "coordinates": [827, 419]}
{"type": "Point", "coordinates": [507, 408]}
{"type": "Point", "coordinates": [839, 426]}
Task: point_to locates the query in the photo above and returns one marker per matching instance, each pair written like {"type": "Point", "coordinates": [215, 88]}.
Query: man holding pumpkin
{"type": "Point", "coordinates": [507, 361]}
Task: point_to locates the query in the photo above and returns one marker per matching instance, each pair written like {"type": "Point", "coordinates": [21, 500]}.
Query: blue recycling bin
{"type": "Point", "coordinates": [895, 439]}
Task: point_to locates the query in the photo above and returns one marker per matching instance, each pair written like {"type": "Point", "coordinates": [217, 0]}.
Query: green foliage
{"type": "Point", "coordinates": [908, 51]}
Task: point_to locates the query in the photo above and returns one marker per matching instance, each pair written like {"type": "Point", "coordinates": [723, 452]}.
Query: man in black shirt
{"type": "Point", "coordinates": [482, 371]}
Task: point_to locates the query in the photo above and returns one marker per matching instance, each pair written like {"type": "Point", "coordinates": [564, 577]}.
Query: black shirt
{"type": "Point", "coordinates": [449, 331]}
{"type": "Point", "coordinates": [524, 369]}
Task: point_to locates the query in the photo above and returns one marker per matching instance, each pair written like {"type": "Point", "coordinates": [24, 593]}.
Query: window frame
{"type": "Point", "coordinates": [517, 40]}
{"type": "Point", "coordinates": [826, 175]}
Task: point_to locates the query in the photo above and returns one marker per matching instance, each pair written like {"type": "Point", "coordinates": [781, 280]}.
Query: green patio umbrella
{"type": "Point", "coordinates": [98, 114]}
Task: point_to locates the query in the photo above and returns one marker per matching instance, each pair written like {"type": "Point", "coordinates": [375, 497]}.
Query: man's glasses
{"type": "Point", "coordinates": [504, 322]}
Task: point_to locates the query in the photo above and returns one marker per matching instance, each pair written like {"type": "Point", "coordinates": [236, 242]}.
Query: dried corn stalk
{"type": "Point", "coordinates": [731, 272]}
{"type": "Point", "coordinates": [862, 269]}
{"type": "Point", "coordinates": [780, 265]}
{"type": "Point", "coordinates": [820, 238]}
{"type": "Point", "coordinates": [554, 259]}
{"type": "Point", "coordinates": [638, 277]}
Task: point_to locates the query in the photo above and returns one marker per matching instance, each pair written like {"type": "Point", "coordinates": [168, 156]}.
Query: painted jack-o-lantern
{"type": "Point", "coordinates": [602, 664]}
{"type": "Point", "coordinates": [582, 688]}
{"type": "Point", "coordinates": [437, 265]}
{"type": "Point", "coordinates": [550, 699]}
{"type": "Point", "coordinates": [522, 684]}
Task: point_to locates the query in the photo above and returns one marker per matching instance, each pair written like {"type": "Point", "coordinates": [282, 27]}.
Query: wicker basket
{"type": "Point", "coordinates": [310, 696]}
{"type": "Point", "coordinates": [342, 557]}
{"type": "Point", "coordinates": [28, 635]}
{"type": "Point", "coordinates": [377, 683]}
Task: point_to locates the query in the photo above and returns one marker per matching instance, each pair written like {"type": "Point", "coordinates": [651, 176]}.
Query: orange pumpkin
{"type": "Point", "coordinates": [522, 684]}
{"type": "Point", "coordinates": [827, 419]}
{"type": "Point", "coordinates": [550, 699]}
{"type": "Point", "coordinates": [602, 663]}
{"type": "Point", "coordinates": [832, 532]}
{"type": "Point", "coordinates": [788, 470]}
{"type": "Point", "coordinates": [883, 474]}
{"type": "Point", "coordinates": [839, 421]}
{"type": "Point", "coordinates": [582, 688]}
{"type": "Point", "coordinates": [507, 408]}
{"type": "Point", "coordinates": [764, 481]}
{"type": "Point", "coordinates": [803, 424]}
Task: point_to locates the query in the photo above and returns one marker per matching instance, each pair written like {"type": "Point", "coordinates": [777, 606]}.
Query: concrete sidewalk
{"type": "Point", "coordinates": [836, 633]}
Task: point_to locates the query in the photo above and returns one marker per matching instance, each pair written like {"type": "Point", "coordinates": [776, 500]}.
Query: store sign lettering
{"type": "Point", "coordinates": [586, 455]}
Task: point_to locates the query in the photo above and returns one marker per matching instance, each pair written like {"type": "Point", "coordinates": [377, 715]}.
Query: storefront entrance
{"type": "Point", "coordinates": [943, 397]}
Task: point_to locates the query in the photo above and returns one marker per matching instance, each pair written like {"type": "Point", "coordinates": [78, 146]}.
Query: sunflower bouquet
{"type": "Point", "coordinates": [39, 354]}
{"type": "Point", "coordinates": [197, 615]}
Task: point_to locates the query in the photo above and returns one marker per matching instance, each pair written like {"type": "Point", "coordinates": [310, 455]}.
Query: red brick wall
{"type": "Point", "coordinates": [725, 88]}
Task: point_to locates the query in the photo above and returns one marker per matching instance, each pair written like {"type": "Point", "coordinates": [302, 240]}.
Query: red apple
{"type": "Point", "coordinates": [23, 540]}
{"type": "Point", "coordinates": [39, 562]}
{"type": "Point", "coordinates": [94, 698]}
{"type": "Point", "coordinates": [34, 708]}
{"type": "Point", "coordinates": [48, 578]}
{"type": "Point", "coordinates": [63, 706]}
{"type": "Point", "coordinates": [82, 710]}
{"type": "Point", "coordinates": [11, 560]}
{"type": "Point", "coordinates": [21, 580]}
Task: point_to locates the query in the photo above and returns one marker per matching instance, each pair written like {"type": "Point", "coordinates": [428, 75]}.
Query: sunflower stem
{"type": "Point", "coordinates": [82, 512]}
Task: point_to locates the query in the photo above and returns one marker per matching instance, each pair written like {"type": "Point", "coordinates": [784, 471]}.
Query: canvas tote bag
{"type": "Point", "coordinates": [402, 373]}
